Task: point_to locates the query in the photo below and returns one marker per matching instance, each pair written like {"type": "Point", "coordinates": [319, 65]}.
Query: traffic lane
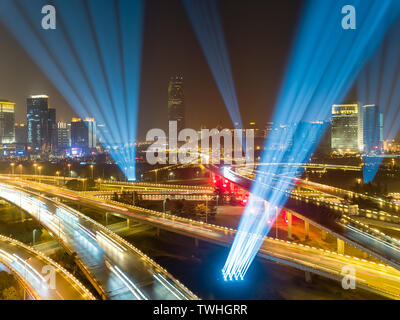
{"type": "Point", "coordinates": [65, 288]}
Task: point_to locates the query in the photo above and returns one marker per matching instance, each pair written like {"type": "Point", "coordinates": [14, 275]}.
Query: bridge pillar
{"type": "Point", "coordinates": [340, 246]}
{"type": "Point", "coordinates": [196, 242]}
{"type": "Point", "coordinates": [307, 229]}
{"type": "Point", "coordinates": [308, 276]}
{"type": "Point", "coordinates": [289, 217]}
{"type": "Point", "coordinates": [323, 235]}
{"type": "Point", "coordinates": [128, 223]}
{"type": "Point", "coordinates": [158, 232]}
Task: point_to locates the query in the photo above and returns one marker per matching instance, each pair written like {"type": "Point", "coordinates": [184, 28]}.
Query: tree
{"type": "Point", "coordinates": [11, 293]}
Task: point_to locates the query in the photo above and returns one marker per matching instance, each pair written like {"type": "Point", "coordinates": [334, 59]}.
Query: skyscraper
{"type": "Point", "coordinates": [83, 134]}
{"type": "Point", "coordinates": [63, 136]}
{"type": "Point", "coordinates": [176, 102]}
{"type": "Point", "coordinates": [346, 134]}
{"type": "Point", "coordinates": [38, 118]}
{"type": "Point", "coordinates": [372, 128]}
{"type": "Point", "coordinates": [21, 134]}
{"type": "Point", "coordinates": [7, 119]}
{"type": "Point", "coordinates": [52, 130]}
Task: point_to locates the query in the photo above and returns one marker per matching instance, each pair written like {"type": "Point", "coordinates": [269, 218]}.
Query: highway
{"type": "Point", "coordinates": [329, 217]}
{"type": "Point", "coordinates": [379, 278]}
{"type": "Point", "coordinates": [116, 268]}
{"type": "Point", "coordinates": [43, 278]}
{"type": "Point", "coordinates": [304, 165]}
{"type": "Point", "coordinates": [158, 195]}
{"type": "Point", "coordinates": [119, 185]}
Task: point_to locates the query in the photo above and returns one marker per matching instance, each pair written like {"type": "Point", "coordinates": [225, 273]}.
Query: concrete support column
{"type": "Point", "coordinates": [308, 277]}
{"type": "Point", "coordinates": [323, 235]}
{"type": "Point", "coordinates": [340, 246]}
{"type": "Point", "coordinates": [128, 223]}
{"type": "Point", "coordinates": [196, 242]}
{"type": "Point", "coordinates": [289, 217]}
{"type": "Point", "coordinates": [307, 229]}
{"type": "Point", "coordinates": [158, 232]}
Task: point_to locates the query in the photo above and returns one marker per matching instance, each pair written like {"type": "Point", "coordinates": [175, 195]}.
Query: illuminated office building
{"type": "Point", "coordinates": [83, 134]}
{"type": "Point", "coordinates": [21, 133]}
{"type": "Point", "coordinates": [38, 118]}
{"type": "Point", "coordinates": [176, 102]}
{"type": "Point", "coordinates": [372, 128]}
{"type": "Point", "coordinates": [52, 130]}
{"type": "Point", "coordinates": [7, 119]}
{"type": "Point", "coordinates": [346, 133]}
{"type": "Point", "coordinates": [63, 136]}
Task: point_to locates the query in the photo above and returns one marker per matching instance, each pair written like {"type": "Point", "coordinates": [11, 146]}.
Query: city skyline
{"type": "Point", "coordinates": [184, 57]}
{"type": "Point", "coordinates": [199, 149]}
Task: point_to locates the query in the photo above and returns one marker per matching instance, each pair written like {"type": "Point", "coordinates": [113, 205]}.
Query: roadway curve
{"type": "Point", "coordinates": [116, 268]}
{"type": "Point", "coordinates": [379, 278]}
{"type": "Point", "coordinates": [33, 270]}
{"type": "Point", "coordinates": [331, 218]}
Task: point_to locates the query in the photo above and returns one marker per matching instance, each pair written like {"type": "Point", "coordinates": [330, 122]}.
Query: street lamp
{"type": "Point", "coordinates": [58, 177]}
{"type": "Point", "coordinates": [69, 169]}
{"type": "Point", "coordinates": [12, 168]}
{"type": "Point", "coordinates": [20, 169]}
{"type": "Point", "coordinates": [35, 165]}
{"type": "Point", "coordinates": [91, 169]}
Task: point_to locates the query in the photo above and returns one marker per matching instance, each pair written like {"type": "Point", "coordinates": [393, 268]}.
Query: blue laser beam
{"type": "Point", "coordinates": [324, 64]}
{"type": "Point", "coordinates": [93, 59]}
{"type": "Point", "coordinates": [379, 84]}
{"type": "Point", "coordinates": [206, 22]}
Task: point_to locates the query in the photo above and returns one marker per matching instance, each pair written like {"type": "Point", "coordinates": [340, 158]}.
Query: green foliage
{"type": "Point", "coordinates": [9, 287]}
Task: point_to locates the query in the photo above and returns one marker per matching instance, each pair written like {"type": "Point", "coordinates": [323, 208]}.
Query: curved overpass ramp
{"type": "Point", "coordinates": [42, 277]}
{"type": "Point", "coordinates": [117, 269]}
{"type": "Point", "coordinates": [379, 278]}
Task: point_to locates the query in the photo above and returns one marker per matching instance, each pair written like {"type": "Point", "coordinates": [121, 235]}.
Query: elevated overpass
{"type": "Point", "coordinates": [42, 277]}
{"type": "Point", "coordinates": [379, 278]}
{"type": "Point", "coordinates": [330, 217]}
{"type": "Point", "coordinates": [116, 269]}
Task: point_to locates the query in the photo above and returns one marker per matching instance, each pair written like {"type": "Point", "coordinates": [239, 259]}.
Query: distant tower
{"type": "Point", "coordinates": [7, 118]}
{"type": "Point", "coordinates": [176, 102]}
{"type": "Point", "coordinates": [83, 134]}
{"type": "Point", "coordinates": [346, 136]}
{"type": "Point", "coordinates": [52, 130]}
{"type": "Point", "coordinates": [38, 119]}
{"type": "Point", "coordinates": [372, 128]}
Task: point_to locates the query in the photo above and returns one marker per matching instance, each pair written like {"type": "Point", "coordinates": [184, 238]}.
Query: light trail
{"type": "Point", "coordinates": [327, 71]}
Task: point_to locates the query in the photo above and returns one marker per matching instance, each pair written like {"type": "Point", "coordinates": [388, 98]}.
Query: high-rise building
{"type": "Point", "coordinates": [372, 128]}
{"type": "Point", "coordinates": [52, 130]}
{"type": "Point", "coordinates": [7, 119]}
{"type": "Point", "coordinates": [346, 134]}
{"type": "Point", "coordinates": [83, 134]}
{"type": "Point", "coordinates": [38, 118]}
{"type": "Point", "coordinates": [176, 102]}
{"type": "Point", "coordinates": [63, 136]}
{"type": "Point", "coordinates": [21, 133]}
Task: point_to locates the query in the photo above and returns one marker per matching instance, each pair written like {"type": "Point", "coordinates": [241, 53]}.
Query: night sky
{"type": "Point", "coordinates": [259, 36]}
